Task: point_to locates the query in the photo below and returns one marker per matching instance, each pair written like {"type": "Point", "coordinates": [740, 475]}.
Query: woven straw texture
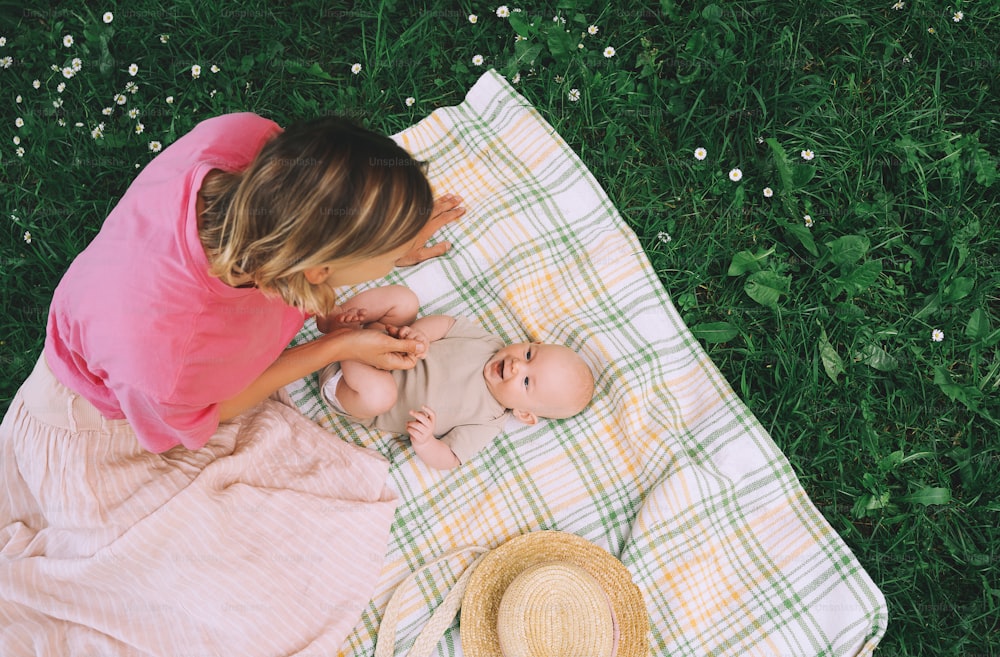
{"type": "Point", "coordinates": [499, 581]}
{"type": "Point", "coordinates": [667, 469]}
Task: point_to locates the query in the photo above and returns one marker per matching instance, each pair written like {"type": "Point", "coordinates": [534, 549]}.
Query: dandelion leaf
{"type": "Point", "coordinates": [959, 288]}
{"type": "Point", "coordinates": [766, 287]}
{"type": "Point", "coordinates": [878, 358]}
{"type": "Point", "coordinates": [745, 261]}
{"type": "Point", "coordinates": [802, 174]}
{"type": "Point", "coordinates": [713, 332]}
{"type": "Point", "coordinates": [521, 26]}
{"type": "Point", "coordinates": [978, 326]}
{"type": "Point", "coordinates": [832, 363]}
{"type": "Point", "coordinates": [848, 249]}
{"type": "Point", "coordinates": [928, 495]}
{"type": "Point", "coordinates": [861, 278]}
{"type": "Point", "coordinates": [805, 238]}
{"type": "Point", "coordinates": [968, 396]}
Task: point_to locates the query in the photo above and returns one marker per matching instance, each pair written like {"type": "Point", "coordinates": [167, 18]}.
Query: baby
{"type": "Point", "coordinates": [456, 399]}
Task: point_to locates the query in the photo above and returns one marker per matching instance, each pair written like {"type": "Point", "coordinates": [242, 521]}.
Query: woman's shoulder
{"type": "Point", "coordinates": [227, 124]}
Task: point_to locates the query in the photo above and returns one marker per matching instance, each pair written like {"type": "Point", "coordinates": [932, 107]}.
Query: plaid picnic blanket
{"type": "Point", "coordinates": [666, 469]}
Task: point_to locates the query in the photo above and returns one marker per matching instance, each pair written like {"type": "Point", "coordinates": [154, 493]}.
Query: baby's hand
{"type": "Point", "coordinates": [409, 333]}
{"type": "Point", "coordinates": [421, 427]}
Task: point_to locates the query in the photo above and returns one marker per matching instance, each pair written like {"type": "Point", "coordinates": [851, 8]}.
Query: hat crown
{"type": "Point", "coordinates": [556, 609]}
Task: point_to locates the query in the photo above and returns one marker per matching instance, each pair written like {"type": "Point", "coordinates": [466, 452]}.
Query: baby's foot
{"type": "Point", "coordinates": [353, 319]}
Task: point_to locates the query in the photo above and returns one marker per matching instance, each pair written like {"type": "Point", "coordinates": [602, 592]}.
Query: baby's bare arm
{"type": "Point", "coordinates": [434, 327]}
{"type": "Point", "coordinates": [430, 449]}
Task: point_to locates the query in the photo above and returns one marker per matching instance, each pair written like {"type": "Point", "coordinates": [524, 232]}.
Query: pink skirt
{"type": "Point", "coordinates": [268, 541]}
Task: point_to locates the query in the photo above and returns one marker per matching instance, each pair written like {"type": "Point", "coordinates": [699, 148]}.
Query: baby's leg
{"type": "Point", "coordinates": [365, 391]}
{"type": "Point", "coordinates": [393, 305]}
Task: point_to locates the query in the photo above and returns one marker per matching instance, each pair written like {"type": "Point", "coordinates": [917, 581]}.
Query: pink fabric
{"type": "Point", "coordinates": [139, 328]}
{"type": "Point", "coordinates": [268, 541]}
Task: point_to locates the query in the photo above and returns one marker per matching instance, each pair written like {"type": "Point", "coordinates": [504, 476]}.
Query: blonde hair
{"type": "Point", "coordinates": [322, 191]}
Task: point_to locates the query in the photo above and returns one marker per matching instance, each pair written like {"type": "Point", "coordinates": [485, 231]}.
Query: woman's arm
{"type": "Point", "coordinates": [372, 347]}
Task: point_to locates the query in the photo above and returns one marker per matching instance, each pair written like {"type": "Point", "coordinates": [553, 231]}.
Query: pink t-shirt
{"type": "Point", "coordinates": [139, 328]}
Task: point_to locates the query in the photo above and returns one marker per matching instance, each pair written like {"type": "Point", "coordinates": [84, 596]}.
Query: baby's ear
{"type": "Point", "coordinates": [525, 416]}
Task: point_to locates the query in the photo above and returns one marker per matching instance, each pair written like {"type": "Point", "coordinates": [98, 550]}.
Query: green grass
{"type": "Point", "coordinates": [824, 331]}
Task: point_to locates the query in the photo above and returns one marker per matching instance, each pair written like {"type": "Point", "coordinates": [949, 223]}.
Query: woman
{"type": "Point", "coordinates": [175, 320]}
{"type": "Point", "coordinates": [177, 315]}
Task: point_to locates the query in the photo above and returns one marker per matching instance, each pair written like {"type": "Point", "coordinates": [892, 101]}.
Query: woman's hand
{"type": "Point", "coordinates": [380, 350]}
{"type": "Point", "coordinates": [409, 333]}
{"type": "Point", "coordinates": [446, 209]}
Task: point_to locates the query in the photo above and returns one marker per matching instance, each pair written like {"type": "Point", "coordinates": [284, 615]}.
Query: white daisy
{"type": "Point", "coordinates": [410, 100]}
{"type": "Point", "coordinates": [155, 146]}
{"type": "Point", "coordinates": [164, 38]}
{"type": "Point", "coordinates": [133, 69]}
{"type": "Point", "coordinates": [195, 71]}
{"type": "Point", "coordinates": [133, 113]}
{"type": "Point", "coordinates": [120, 99]}
{"type": "Point", "coordinates": [68, 40]}
{"type": "Point", "coordinates": [735, 175]}
{"type": "Point", "coordinates": [214, 69]}
{"type": "Point", "coordinates": [61, 87]}
{"type": "Point", "coordinates": [768, 192]}
{"type": "Point", "coordinates": [139, 128]}
{"type": "Point", "coordinates": [68, 72]}
{"type": "Point", "coordinates": [6, 62]}
{"type": "Point", "coordinates": [107, 111]}
{"type": "Point", "coordinates": [473, 18]}
{"type": "Point", "coordinates": [593, 30]}
{"type": "Point", "coordinates": [355, 68]}
{"type": "Point", "coordinates": [36, 84]}
{"type": "Point", "coordinates": [700, 153]}
{"type": "Point", "coordinates": [958, 16]}
{"type": "Point", "coordinates": [807, 154]}
{"type": "Point", "coordinates": [17, 140]}
{"type": "Point", "coordinates": [808, 220]}
{"type": "Point", "coordinates": [477, 60]}
{"type": "Point", "coordinates": [20, 151]}
{"type": "Point", "coordinates": [937, 335]}
{"type": "Point", "coordinates": [77, 64]}
{"type": "Point", "coordinates": [503, 11]}
{"type": "Point", "coordinates": [573, 95]}
{"type": "Point", "coordinates": [170, 100]}
{"type": "Point", "coordinates": [27, 236]}
{"type": "Point", "coordinates": [108, 17]}
{"type": "Point", "coordinates": [19, 122]}
{"type": "Point", "coordinates": [609, 52]}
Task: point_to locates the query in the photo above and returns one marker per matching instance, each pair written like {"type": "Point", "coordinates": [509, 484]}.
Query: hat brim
{"type": "Point", "coordinates": [481, 601]}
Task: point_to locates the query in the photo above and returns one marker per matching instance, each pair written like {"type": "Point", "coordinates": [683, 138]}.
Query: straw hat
{"type": "Point", "coordinates": [552, 594]}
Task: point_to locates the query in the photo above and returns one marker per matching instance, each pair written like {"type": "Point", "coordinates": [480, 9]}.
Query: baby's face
{"type": "Point", "coordinates": [532, 377]}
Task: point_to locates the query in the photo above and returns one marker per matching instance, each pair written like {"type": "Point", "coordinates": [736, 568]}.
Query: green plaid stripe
{"type": "Point", "coordinates": [667, 468]}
